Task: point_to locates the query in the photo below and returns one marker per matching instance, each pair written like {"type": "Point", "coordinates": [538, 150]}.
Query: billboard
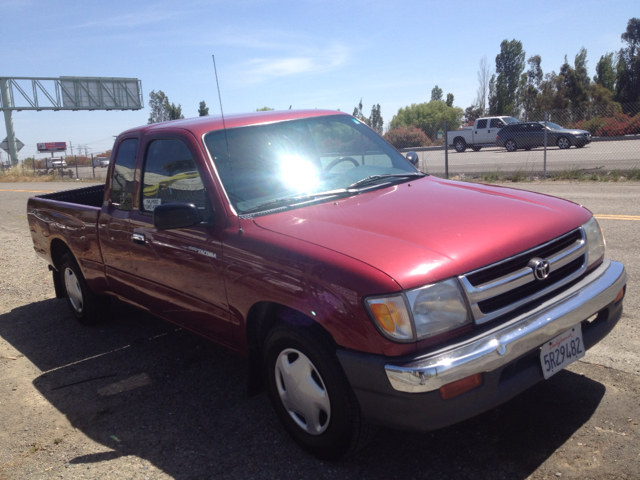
{"type": "Point", "coordinates": [52, 147]}
{"type": "Point", "coordinates": [101, 93]}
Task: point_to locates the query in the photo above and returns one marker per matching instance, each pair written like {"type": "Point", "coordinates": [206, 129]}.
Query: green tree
{"type": "Point", "coordinates": [428, 117]}
{"type": "Point", "coordinates": [264, 109]}
{"type": "Point", "coordinates": [357, 112]}
{"type": "Point", "coordinates": [436, 93]}
{"type": "Point", "coordinates": [449, 100]}
{"type": "Point", "coordinates": [552, 93]}
{"type": "Point", "coordinates": [375, 119]}
{"type": "Point", "coordinates": [606, 72]}
{"type": "Point", "coordinates": [628, 68]}
{"type": "Point", "coordinates": [472, 113]}
{"type": "Point", "coordinates": [509, 81]}
{"type": "Point", "coordinates": [577, 84]}
{"type": "Point", "coordinates": [531, 90]}
{"type": "Point", "coordinates": [160, 107]}
{"type": "Point", "coordinates": [203, 110]}
{"type": "Point", "coordinates": [175, 113]}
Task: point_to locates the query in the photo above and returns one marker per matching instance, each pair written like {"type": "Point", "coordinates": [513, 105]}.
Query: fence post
{"type": "Point", "coordinates": [76, 157]}
{"type": "Point", "coordinates": [93, 166]}
{"type": "Point", "coordinates": [446, 152]}
{"type": "Point", "coordinates": [544, 167]}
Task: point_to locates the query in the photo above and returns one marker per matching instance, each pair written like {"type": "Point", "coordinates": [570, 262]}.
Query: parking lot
{"type": "Point", "coordinates": [139, 398]}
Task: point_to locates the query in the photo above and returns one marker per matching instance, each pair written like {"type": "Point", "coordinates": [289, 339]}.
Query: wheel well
{"type": "Point", "coordinates": [460, 138]}
{"type": "Point", "coordinates": [262, 317]}
{"type": "Point", "coordinates": [58, 248]}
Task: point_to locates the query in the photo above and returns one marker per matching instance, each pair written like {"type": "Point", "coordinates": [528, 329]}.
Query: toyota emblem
{"type": "Point", "coordinates": [540, 268]}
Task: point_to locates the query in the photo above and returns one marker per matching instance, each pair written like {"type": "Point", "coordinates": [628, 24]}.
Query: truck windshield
{"type": "Point", "coordinates": [510, 120]}
{"type": "Point", "coordinates": [312, 158]}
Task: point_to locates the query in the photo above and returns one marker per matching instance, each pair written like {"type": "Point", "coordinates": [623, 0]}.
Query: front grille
{"type": "Point", "coordinates": [505, 267]}
{"type": "Point", "coordinates": [500, 288]}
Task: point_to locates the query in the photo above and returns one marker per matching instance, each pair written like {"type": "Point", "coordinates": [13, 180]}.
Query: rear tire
{"type": "Point", "coordinates": [460, 145]}
{"type": "Point", "coordinates": [563, 143]}
{"type": "Point", "coordinates": [311, 395]}
{"type": "Point", "coordinates": [86, 306]}
{"type": "Point", "coordinates": [510, 145]}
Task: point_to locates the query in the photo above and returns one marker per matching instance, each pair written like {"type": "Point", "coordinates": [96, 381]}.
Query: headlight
{"type": "Point", "coordinates": [595, 241]}
{"type": "Point", "coordinates": [420, 313]}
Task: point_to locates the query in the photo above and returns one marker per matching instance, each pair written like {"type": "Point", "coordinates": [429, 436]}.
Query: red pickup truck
{"type": "Point", "coordinates": [362, 291]}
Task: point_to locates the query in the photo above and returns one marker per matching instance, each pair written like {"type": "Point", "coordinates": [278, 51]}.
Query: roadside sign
{"type": "Point", "coordinates": [5, 144]}
{"type": "Point", "coordinates": [52, 147]}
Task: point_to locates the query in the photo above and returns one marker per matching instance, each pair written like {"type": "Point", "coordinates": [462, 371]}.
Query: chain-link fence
{"type": "Point", "coordinates": [608, 145]}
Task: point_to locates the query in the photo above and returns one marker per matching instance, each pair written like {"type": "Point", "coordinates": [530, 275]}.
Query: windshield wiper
{"type": "Point", "coordinates": [374, 178]}
{"type": "Point", "coordinates": [295, 199]}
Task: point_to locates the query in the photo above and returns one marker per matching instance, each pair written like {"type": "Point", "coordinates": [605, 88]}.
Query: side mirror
{"type": "Point", "coordinates": [413, 158]}
{"type": "Point", "coordinates": [176, 215]}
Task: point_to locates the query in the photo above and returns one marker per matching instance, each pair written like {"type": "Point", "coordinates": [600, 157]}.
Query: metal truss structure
{"type": "Point", "coordinates": [65, 93]}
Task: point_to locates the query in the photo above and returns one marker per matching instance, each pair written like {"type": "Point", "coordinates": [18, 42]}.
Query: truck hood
{"type": "Point", "coordinates": [430, 229]}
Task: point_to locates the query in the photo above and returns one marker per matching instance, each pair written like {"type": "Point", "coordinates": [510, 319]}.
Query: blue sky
{"type": "Point", "coordinates": [303, 53]}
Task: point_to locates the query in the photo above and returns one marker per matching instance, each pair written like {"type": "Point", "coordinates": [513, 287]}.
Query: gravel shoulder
{"type": "Point", "coordinates": [138, 398]}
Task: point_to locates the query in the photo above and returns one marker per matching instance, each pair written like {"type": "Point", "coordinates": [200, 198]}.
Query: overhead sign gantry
{"type": "Point", "coordinates": [65, 93]}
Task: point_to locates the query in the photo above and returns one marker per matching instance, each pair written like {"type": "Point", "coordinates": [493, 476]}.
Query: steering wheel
{"type": "Point", "coordinates": [340, 160]}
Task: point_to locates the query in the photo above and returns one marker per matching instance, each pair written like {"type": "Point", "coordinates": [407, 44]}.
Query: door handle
{"type": "Point", "coordinates": [138, 238]}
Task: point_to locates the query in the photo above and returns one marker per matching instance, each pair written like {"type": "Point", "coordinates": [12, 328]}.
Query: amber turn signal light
{"type": "Point", "coordinates": [619, 296]}
{"type": "Point", "coordinates": [451, 390]}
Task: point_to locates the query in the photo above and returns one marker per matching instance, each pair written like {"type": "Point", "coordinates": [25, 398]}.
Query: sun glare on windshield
{"type": "Point", "coordinates": [298, 173]}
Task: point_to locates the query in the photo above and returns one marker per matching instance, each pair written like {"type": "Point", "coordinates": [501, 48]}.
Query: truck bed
{"type": "Point", "coordinates": [89, 196]}
{"type": "Point", "coordinates": [70, 216]}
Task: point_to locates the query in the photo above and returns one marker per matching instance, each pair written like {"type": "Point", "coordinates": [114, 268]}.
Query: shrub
{"type": "Point", "coordinates": [615, 126]}
{"type": "Point", "coordinates": [407, 137]}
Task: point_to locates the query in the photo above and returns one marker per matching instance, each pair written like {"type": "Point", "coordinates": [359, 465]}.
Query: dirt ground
{"type": "Point", "coordinates": [137, 398]}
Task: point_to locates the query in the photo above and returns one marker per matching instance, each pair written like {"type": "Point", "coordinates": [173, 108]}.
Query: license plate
{"type": "Point", "coordinates": [561, 351]}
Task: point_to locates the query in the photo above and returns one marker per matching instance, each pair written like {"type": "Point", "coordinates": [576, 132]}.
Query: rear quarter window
{"type": "Point", "coordinates": [123, 170]}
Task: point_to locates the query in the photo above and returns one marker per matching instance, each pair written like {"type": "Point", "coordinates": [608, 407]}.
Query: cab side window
{"type": "Point", "coordinates": [123, 170]}
{"type": "Point", "coordinates": [495, 123]}
{"type": "Point", "coordinates": [482, 124]}
{"type": "Point", "coordinates": [170, 175]}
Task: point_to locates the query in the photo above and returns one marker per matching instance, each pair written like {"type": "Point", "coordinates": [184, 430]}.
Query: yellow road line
{"type": "Point", "coordinates": [33, 191]}
{"type": "Point", "coordinates": [618, 217]}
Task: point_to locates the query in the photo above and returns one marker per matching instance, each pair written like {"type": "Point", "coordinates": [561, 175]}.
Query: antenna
{"type": "Point", "coordinates": [226, 139]}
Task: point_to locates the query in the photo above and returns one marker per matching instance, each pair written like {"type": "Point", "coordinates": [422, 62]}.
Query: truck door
{"type": "Point", "coordinates": [179, 271]}
{"type": "Point", "coordinates": [487, 130]}
{"type": "Point", "coordinates": [113, 223]}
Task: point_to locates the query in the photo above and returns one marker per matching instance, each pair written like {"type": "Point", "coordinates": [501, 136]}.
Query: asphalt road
{"type": "Point", "coordinates": [138, 398]}
{"type": "Point", "coordinates": [606, 156]}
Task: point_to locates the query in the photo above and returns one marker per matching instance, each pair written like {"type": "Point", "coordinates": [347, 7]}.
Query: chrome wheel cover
{"type": "Point", "coordinates": [74, 292]}
{"type": "Point", "coordinates": [563, 143]}
{"type": "Point", "coordinates": [510, 145]}
{"type": "Point", "coordinates": [302, 391]}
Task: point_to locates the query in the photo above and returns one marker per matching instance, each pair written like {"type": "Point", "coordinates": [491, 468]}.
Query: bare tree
{"type": "Point", "coordinates": [484, 76]}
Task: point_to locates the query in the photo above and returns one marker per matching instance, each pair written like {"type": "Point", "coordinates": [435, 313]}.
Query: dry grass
{"type": "Point", "coordinates": [18, 174]}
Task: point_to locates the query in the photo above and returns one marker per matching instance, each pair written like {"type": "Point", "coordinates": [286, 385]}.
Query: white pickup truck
{"type": "Point", "coordinates": [482, 134]}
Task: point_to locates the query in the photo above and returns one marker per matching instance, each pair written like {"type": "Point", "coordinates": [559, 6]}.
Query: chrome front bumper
{"type": "Point", "coordinates": [523, 334]}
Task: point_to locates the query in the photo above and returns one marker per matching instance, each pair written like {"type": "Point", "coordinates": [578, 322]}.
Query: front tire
{"type": "Point", "coordinates": [510, 145]}
{"type": "Point", "coordinates": [311, 395]}
{"type": "Point", "coordinates": [563, 143]}
{"type": "Point", "coordinates": [86, 306]}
